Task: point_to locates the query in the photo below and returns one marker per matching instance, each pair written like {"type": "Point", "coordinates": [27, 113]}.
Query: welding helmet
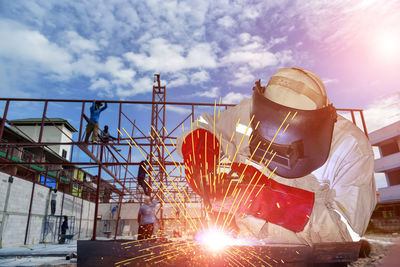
{"type": "Point", "coordinates": [293, 123]}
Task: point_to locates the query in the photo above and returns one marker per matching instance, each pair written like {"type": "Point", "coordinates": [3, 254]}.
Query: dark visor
{"type": "Point", "coordinates": [303, 141]}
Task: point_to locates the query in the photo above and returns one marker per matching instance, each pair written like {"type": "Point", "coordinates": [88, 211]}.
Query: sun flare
{"type": "Point", "coordinates": [389, 45]}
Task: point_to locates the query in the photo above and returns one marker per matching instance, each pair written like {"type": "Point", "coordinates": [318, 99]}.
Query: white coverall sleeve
{"type": "Point", "coordinates": [348, 173]}
{"type": "Point", "coordinates": [354, 185]}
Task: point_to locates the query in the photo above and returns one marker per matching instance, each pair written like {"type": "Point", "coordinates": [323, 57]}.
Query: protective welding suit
{"type": "Point", "coordinates": [302, 176]}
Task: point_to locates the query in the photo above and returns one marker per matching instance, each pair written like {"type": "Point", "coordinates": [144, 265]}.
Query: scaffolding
{"type": "Point", "coordinates": [113, 177]}
{"type": "Point", "coordinates": [52, 228]}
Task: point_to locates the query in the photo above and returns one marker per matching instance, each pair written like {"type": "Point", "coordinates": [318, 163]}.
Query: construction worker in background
{"type": "Point", "coordinates": [105, 137]}
{"type": "Point", "coordinates": [141, 176]}
{"type": "Point", "coordinates": [93, 124]}
{"type": "Point", "coordinates": [53, 202]}
{"type": "Point", "coordinates": [294, 171]}
{"type": "Point", "coordinates": [147, 217]}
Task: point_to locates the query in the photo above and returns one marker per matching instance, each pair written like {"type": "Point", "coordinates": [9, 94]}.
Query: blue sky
{"type": "Point", "coordinates": [204, 50]}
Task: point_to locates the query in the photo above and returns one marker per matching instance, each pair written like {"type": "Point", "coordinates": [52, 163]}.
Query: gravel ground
{"type": "Point", "coordinates": [383, 246]}
{"type": "Point", "coordinates": [384, 251]}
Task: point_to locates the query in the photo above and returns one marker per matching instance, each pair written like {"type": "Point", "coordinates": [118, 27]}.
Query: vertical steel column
{"type": "Point", "coordinates": [5, 213]}
{"type": "Point", "coordinates": [118, 216]}
{"type": "Point", "coordinates": [62, 204]}
{"type": "Point", "coordinates": [29, 213]}
{"type": "Point", "coordinates": [119, 122]}
{"type": "Point", "coordinates": [352, 117]}
{"type": "Point", "coordinates": [363, 123]}
{"type": "Point", "coordinates": [80, 124]}
{"type": "Point", "coordinates": [3, 121]}
{"type": "Point", "coordinates": [121, 196]}
{"type": "Point", "coordinates": [96, 209]}
{"type": "Point", "coordinates": [192, 113]}
{"type": "Point", "coordinates": [158, 136]}
{"type": "Point", "coordinates": [42, 125]}
{"type": "Point", "coordinates": [80, 220]}
{"type": "Point", "coordinates": [163, 148]}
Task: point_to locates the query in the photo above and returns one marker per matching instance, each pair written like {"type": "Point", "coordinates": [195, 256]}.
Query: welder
{"type": "Point", "coordinates": [283, 164]}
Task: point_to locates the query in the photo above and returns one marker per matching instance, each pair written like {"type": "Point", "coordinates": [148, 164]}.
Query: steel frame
{"type": "Point", "coordinates": [123, 183]}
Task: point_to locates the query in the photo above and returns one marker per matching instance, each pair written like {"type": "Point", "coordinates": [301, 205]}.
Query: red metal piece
{"type": "Point", "coordinates": [29, 213]}
{"type": "Point", "coordinates": [43, 118]}
{"type": "Point", "coordinates": [3, 121]}
{"type": "Point", "coordinates": [363, 123]}
{"type": "Point", "coordinates": [97, 195]}
{"type": "Point", "coordinates": [80, 219]}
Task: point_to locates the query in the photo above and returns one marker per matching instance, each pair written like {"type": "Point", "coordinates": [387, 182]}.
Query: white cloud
{"type": "Point", "coordinates": [212, 93]}
{"type": "Point", "coordinates": [328, 81]}
{"type": "Point", "coordinates": [276, 41]}
{"type": "Point", "coordinates": [177, 79]}
{"type": "Point", "coordinates": [139, 86]}
{"type": "Point", "coordinates": [88, 65]}
{"type": "Point", "coordinates": [102, 86]}
{"type": "Point", "coordinates": [128, 14]}
{"type": "Point", "coordinates": [382, 112]}
{"type": "Point", "coordinates": [249, 13]}
{"type": "Point", "coordinates": [160, 55]}
{"type": "Point", "coordinates": [253, 52]}
{"type": "Point", "coordinates": [201, 56]}
{"type": "Point", "coordinates": [115, 67]}
{"type": "Point", "coordinates": [199, 77]}
{"type": "Point", "coordinates": [178, 109]}
{"type": "Point", "coordinates": [355, 22]}
{"type": "Point", "coordinates": [234, 98]}
{"type": "Point", "coordinates": [226, 21]}
{"type": "Point", "coordinates": [244, 38]}
{"type": "Point", "coordinates": [99, 84]}
{"type": "Point", "coordinates": [31, 47]}
{"type": "Point", "coordinates": [242, 77]}
{"type": "Point", "coordinates": [256, 59]}
{"type": "Point", "coordinates": [78, 44]}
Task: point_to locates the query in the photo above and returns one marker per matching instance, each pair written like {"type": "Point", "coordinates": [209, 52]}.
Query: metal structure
{"type": "Point", "coordinates": [52, 228]}
{"type": "Point", "coordinates": [112, 172]}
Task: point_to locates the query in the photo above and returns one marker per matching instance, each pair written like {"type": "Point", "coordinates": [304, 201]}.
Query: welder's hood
{"type": "Point", "coordinates": [300, 138]}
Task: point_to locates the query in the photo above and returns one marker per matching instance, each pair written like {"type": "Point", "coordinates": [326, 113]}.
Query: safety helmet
{"type": "Point", "coordinates": [293, 123]}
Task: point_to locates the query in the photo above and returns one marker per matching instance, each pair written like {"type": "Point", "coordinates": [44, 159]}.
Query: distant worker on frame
{"type": "Point", "coordinates": [294, 171]}
{"type": "Point", "coordinates": [92, 128]}
{"type": "Point", "coordinates": [141, 176]}
{"type": "Point", "coordinates": [105, 137]}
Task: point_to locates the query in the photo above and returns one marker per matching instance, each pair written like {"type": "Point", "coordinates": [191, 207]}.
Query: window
{"type": "Point", "coordinates": [389, 149]}
{"type": "Point", "coordinates": [64, 153]}
{"type": "Point", "coordinates": [394, 177]}
{"type": "Point", "coordinates": [48, 181]}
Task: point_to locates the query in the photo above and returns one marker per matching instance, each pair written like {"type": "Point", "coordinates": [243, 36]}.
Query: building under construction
{"type": "Point", "coordinates": [97, 182]}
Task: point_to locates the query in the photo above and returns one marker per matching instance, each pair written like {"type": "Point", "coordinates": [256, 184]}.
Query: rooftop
{"type": "Point", "coordinates": [48, 121]}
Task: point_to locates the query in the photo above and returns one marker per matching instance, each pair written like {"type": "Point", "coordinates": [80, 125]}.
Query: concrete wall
{"type": "Point", "coordinates": [128, 225]}
{"type": "Point", "coordinates": [14, 212]}
{"type": "Point", "coordinates": [390, 193]}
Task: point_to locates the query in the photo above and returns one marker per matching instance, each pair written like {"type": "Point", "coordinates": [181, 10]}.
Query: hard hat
{"type": "Point", "coordinates": [293, 123]}
{"type": "Point", "coordinates": [296, 88]}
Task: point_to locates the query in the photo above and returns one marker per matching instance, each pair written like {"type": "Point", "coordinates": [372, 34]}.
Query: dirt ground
{"type": "Point", "coordinates": [385, 251]}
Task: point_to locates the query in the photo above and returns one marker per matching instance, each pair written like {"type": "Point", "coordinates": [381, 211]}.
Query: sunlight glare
{"type": "Point", "coordinates": [389, 43]}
